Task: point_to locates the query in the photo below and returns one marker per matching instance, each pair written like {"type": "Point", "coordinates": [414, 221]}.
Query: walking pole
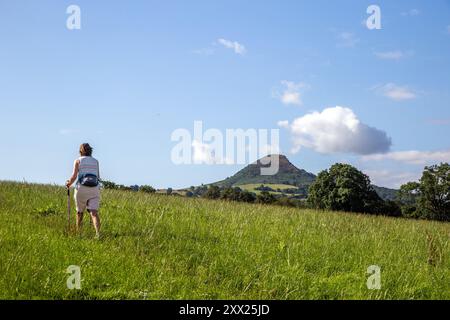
{"type": "Point", "coordinates": [68, 210]}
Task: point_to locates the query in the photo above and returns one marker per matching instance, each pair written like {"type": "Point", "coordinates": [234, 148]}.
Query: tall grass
{"type": "Point", "coordinates": [161, 247]}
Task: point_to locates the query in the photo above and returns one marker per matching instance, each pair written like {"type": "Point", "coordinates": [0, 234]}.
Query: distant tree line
{"type": "Point", "coordinates": [214, 192]}
{"type": "Point", "coordinates": [113, 186]}
{"type": "Point", "coordinates": [300, 191]}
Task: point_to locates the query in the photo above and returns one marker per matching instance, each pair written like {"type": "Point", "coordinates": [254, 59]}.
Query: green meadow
{"type": "Point", "coordinates": [169, 247]}
{"type": "Point", "coordinates": [252, 187]}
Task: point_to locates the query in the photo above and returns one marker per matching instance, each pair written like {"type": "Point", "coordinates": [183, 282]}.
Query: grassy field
{"type": "Point", "coordinates": [252, 187]}
{"type": "Point", "coordinates": [161, 247]}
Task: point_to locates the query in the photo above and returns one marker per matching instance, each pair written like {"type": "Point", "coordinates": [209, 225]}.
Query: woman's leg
{"type": "Point", "coordinates": [96, 220]}
{"type": "Point", "coordinates": [79, 220]}
{"type": "Point", "coordinates": [80, 202]}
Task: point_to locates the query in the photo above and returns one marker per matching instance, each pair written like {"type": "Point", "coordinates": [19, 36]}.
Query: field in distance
{"type": "Point", "coordinates": [163, 247]}
{"type": "Point", "coordinates": [275, 187]}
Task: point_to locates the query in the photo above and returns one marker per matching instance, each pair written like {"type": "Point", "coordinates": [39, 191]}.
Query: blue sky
{"type": "Point", "coordinates": [137, 71]}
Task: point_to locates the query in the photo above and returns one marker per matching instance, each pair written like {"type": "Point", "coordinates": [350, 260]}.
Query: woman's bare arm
{"type": "Point", "coordinates": [76, 166]}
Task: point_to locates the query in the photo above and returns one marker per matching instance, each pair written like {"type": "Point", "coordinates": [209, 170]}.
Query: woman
{"type": "Point", "coordinates": [87, 191]}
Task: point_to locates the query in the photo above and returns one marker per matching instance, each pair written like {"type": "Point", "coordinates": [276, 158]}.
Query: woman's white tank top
{"type": "Point", "coordinates": [88, 165]}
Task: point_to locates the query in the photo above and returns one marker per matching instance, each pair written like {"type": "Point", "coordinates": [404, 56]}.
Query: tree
{"type": "Point", "coordinates": [109, 185]}
{"type": "Point", "coordinates": [430, 197]}
{"type": "Point", "coordinates": [409, 193]}
{"type": "Point", "coordinates": [233, 194]}
{"type": "Point", "coordinates": [247, 196]}
{"type": "Point", "coordinates": [343, 188]}
{"type": "Point", "coordinates": [408, 196]}
{"type": "Point", "coordinates": [123, 187]}
{"type": "Point", "coordinates": [213, 192]}
{"type": "Point", "coordinates": [169, 191]}
{"type": "Point", "coordinates": [387, 208]}
{"type": "Point", "coordinates": [147, 189]}
{"type": "Point", "coordinates": [265, 198]}
{"type": "Point", "coordinates": [434, 198]}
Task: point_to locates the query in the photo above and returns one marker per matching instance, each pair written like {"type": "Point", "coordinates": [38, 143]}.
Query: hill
{"type": "Point", "coordinates": [386, 193]}
{"type": "Point", "coordinates": [165, 247]}
{"type": "Point", "coordinates": [288, 174]}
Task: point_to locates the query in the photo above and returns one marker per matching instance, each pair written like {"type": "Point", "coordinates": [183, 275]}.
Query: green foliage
{"type": "Point", "coordinates": [434, 188]}
{"type": "Point", "coordinates": [247, 196]}
{"type": "Point", "coordinates": [409, 193]}
{"type": "Point", "coordinates": [147, 189]}
{"type": "Point", "coordinates": [124, 188]}
{"type": "Point", "coordinates": [264, 188]}
{"type": "Point", "coordinates": [286, 202]}
{"type": "Point", "coordinates": [343, 188]}
{"type": "Point", "coordinates": [159, 247]}
{"type": "Point", "coordinates": [265, 197]}
{"type": "Point", "coordinates": [237, 194]}
{"type": "Point", "coordinates": [407, 197]}
{"type": "Point", "coordinates": [387, 208]}
{"type": "Point", "coordinates": [429, 198]}
{"type": "Point", "coordinates": [213, 192]}
{"type": "Point", "coordinates": [232, 194]}
{"type": "Point", "coordinates": [109, 185]}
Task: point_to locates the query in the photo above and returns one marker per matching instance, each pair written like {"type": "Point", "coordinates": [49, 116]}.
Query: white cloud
{"type": "Point", "coordinates": [411, 13]}
{"type": "Point", "coordinates": [395, 92]}
{"type": "Point", "coordinates": [283, 124]}
{"type": "Point", "coordinates": [291, 93]}
{"type": "Point", "coordinates": [389, 179]}
{"type": "Point", "coordinates": [337, 130]}
{"type": "Point", "coordinates": [235, 46]}
{"type": "Point", "coordinates": [391, 55]}
{"type": "Point", "coordinates": [412, 157]}
{"type": "Point", "coordinates": [347, 39]}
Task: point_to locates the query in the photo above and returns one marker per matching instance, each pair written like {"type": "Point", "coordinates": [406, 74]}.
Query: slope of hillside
{"type": "Point", "coordinates": [386, 193]}
{"type": "Point", "coordinates": [163, 247]}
